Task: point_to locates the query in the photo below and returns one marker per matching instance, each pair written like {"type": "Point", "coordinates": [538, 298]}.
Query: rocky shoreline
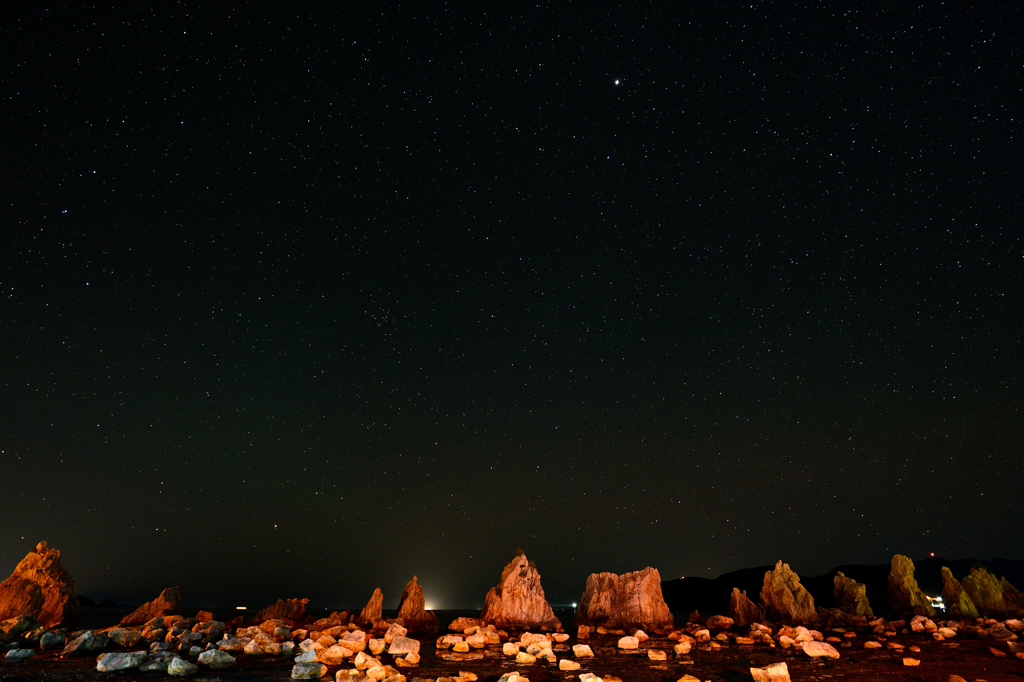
{"type": "Point", "coordinates": [623, 631]}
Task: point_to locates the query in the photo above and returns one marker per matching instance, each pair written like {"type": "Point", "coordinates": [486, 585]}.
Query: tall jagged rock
{"type": "Point", "coordinates": [958, 603]}
{"type": "Point", "coordinates": [630, 600]}
{"type": "Point", "coordinates": [905, 597]}
{"type": "Point", "coordinates": [167, 604]}
{"type": "Point", "coordinates": [785, 599]}
{"type": "Point", "coordinates": [42, 588]}
{"type": "Point", "coordinates": [518, 599]}
{"type": "Point", "coordinates": [994, 598]}
{"type": "Point", "coordinates": [851, 596]}
{"type": "Point", "coordinates": [742, 610]}
{"type": "Point", "coordinates": [412, 609]}
{"type": "Point", "coordinates": [374, 609]}
{"type": "Point", "coordinates": [284, 609]}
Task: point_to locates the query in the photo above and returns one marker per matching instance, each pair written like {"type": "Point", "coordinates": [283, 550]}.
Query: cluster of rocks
{"type": "Point", "coordinates": [785, 600]}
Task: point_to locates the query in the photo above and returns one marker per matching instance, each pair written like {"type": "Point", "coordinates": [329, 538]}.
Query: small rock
{"type": "Point", "coordinates": [956, 678]}
{"type": "Point", "coordinates": [820, 649]}
{"type": "Point", "coordinates": [214, 658]}
{"type": "Point", "coordinates": [78, 645]}
{"type": "Point", "coordinates": [525, 659]}
{"type": "Point", "coordinates": [155, 666]}
{"type": "Point", "coordinates": [561, 637]}
{"type": "Point", "coordinates": [18, 655]}
{"type": "Point", "coordinates": [872, 645]}
{"type": "Point", "coordinates": [119, 661]}
{"type": "Point", "coordinates": [720, 622]}
{"type": "Point", "coordinates": [688, 678]}
{"type": "Point", "coordinates": [308, 671]}
{"type": "Point", "coordinates": [509, 649]}
{"type": "Point", "coordinates": [582, 651]}
{"type": "Point", "coordinates": [911, 661]}
{"type": "Point", "coordinates": [776, 672]}
{"type": "Point", "coordinates": [566, 664]}
{"type": "Point", "coordinates": [997, 652]}
{"type": "Point", "coordinates": [461, 647]}
{"type": "Point", "coordinates": [51, 640]}
{"type": "Point", "coordinates": [403, 645]}
{"type": "Point", "coordinates": [682, 648]}
{"type": "Point", "coordinates": [656, 655]}
{"type": "Point", "coordinates": [629, 643]}
{"type": "Point", "coordinates": [181, 667]}
{"type": "Point", "coordinates": [590, 677]}
{"type": "Point", "coordinates": [376, 646]}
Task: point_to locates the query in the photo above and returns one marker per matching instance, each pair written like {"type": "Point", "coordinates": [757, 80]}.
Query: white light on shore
{"type": "Point", "coordinates": [240, 608]}
{"type": "Point", "coordinates": [574, 604]}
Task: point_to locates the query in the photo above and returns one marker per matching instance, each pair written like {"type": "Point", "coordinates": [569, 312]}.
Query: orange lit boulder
{"type": "Point", "coordinates": [631, 600]}
{"type": "Point", "coordinates": [412, 609]}
{"type": "Point", "coordinates": [518, 599]}
{"type": "Point", "coordinates": [167, 604]}
{"type": "Point", "coordinates": [742, 610]}
{"type": "Point", "coordinates": [42, 588]}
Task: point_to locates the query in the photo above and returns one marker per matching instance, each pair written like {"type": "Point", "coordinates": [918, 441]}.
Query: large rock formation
{"type": "Point", "coordinates": [851, 596]}
{"type": "Point", "coordinates": [412, 609]}
{"type": "Point", "coordinates": [905, 597]}
{"type": "Point", "coordinates": [374, 609]}
{"type": "Point", "coordinates": [518, 599]}
{"type": "Point", "coordinates": [994, 598]}
{"type": "Point", "coordinates": [167, 604]}
{"type": "Point", "coordinates": [42, 588]}
{"type": "Point", "coordinates": [742, 610]}
{"type": "Point", "coordinates": [630, 600]}
{"type": "Point", "coordinates": [785, 599]}
{"type": "Point", "coordinates": [291, 609]}
{"type": "Point", "coordinates": [957, 602]}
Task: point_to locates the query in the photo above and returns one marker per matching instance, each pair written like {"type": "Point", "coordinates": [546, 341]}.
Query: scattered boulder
{"type": "Point", "coordinates": [18, 655]}
{"type": "Point", "coordinates": [463, 623]}
{"type": "Point", "coordinates": [628, 643]}
{"type": "Point", "coordinates": [785, 599]}
{"type": "Point", "coordinates": [412, 609]}
{"type": "Point", "coordinates": [179, 667]}
{"type": "Point", "coordinates": [720, 622]}
{"type": "Point", "coordinates": [285, 609]}
{"type": "Point", "coordinates": [108, 663]}
{"type": "Point", "coordinates": [905, 597]}
{"type": "Point", "coordinates": [518, 599]}
{"type": "Point", "coordinates": [40, 587]}
{"type": "Point", "coordinates": [167, 604]}
{"type": "Point", "coordinates": [79, 645]}
{"type": "Point", "coordinates": [776, 672]}
{"type": "Point", "coordinates": [994, 598]}
{"type": "Point", "coordinates": [743, 611]}
{"type": "Point", "coordinates": [404, 645]}
{"type": "Point", "coordinates": [373, 610]}
{"type": "Point", "coordinates": [627, 601]}
{"type": "Point", "coordinates": [851, 596]}
{"type": "Point", "coordinates": [52, 640]}
{"type": "Point", "coordinates": [582, 651]}
{"type": "Point", "coordinates": [958, 603]}
{"type": "Point", "coordinates": [819, 649]}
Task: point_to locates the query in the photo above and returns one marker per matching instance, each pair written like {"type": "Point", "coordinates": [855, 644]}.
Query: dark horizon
{"type": "Point", "coordinates": [309, 301]}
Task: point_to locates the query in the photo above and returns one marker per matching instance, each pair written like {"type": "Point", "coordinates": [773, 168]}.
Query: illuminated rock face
{"type": "Point", "coordinates": [994, 598]}
{"type": "Point", "coordinates": [167, 604]}
{"type": "Point", "coordinates": [371, 613]}
{"type": "Point", "coordinates": [958, 603]}
{"type": "Point", "coordinates": [631, 600]}
{"type": "Point", "coordinates": [412, 609]}
{"type": "Point", "coordinates": [851, 596]}
{"type": "Point", "coordinates": [40, 587]}
{"type": "Point", "coordinates": [291, 609]}
{"type": "Point", "coordinates": [905, 597]}
{"type": "Point", "coordinates": [518, 599]}
{"type": "Point", "coordinates": [785, 599]}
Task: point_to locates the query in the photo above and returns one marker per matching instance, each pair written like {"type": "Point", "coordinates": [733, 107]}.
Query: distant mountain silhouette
{"type": "Point", "coordinates": [711, 595]}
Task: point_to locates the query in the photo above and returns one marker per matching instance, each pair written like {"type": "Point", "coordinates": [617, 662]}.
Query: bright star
{"type": "Point", "coordinates": [616, 81]}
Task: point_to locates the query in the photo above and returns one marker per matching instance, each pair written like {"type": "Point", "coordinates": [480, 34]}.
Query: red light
{"type": "Point", "coordinates": [931, 553]}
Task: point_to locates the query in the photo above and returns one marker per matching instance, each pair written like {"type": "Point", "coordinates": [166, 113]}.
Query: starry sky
{"type": "Point", "coordinates": [302, 302]}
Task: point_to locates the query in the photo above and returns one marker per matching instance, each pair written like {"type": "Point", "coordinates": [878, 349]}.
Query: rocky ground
{"type": "Point", "coordinates": [973, 650]}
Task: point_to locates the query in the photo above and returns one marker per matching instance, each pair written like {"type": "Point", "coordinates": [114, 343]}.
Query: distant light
{"type": "Point", "coordinates": [931, 553]}
{"type": "Point", "coordinates": [616, 81]}
{"type": "Point", "coordinates": [574, 604]}
{"type": "Point", "coordinates": [240, 608]}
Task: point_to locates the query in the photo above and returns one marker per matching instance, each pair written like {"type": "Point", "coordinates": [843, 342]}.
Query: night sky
{"type": "Point", "coordinates": [301, 302]}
